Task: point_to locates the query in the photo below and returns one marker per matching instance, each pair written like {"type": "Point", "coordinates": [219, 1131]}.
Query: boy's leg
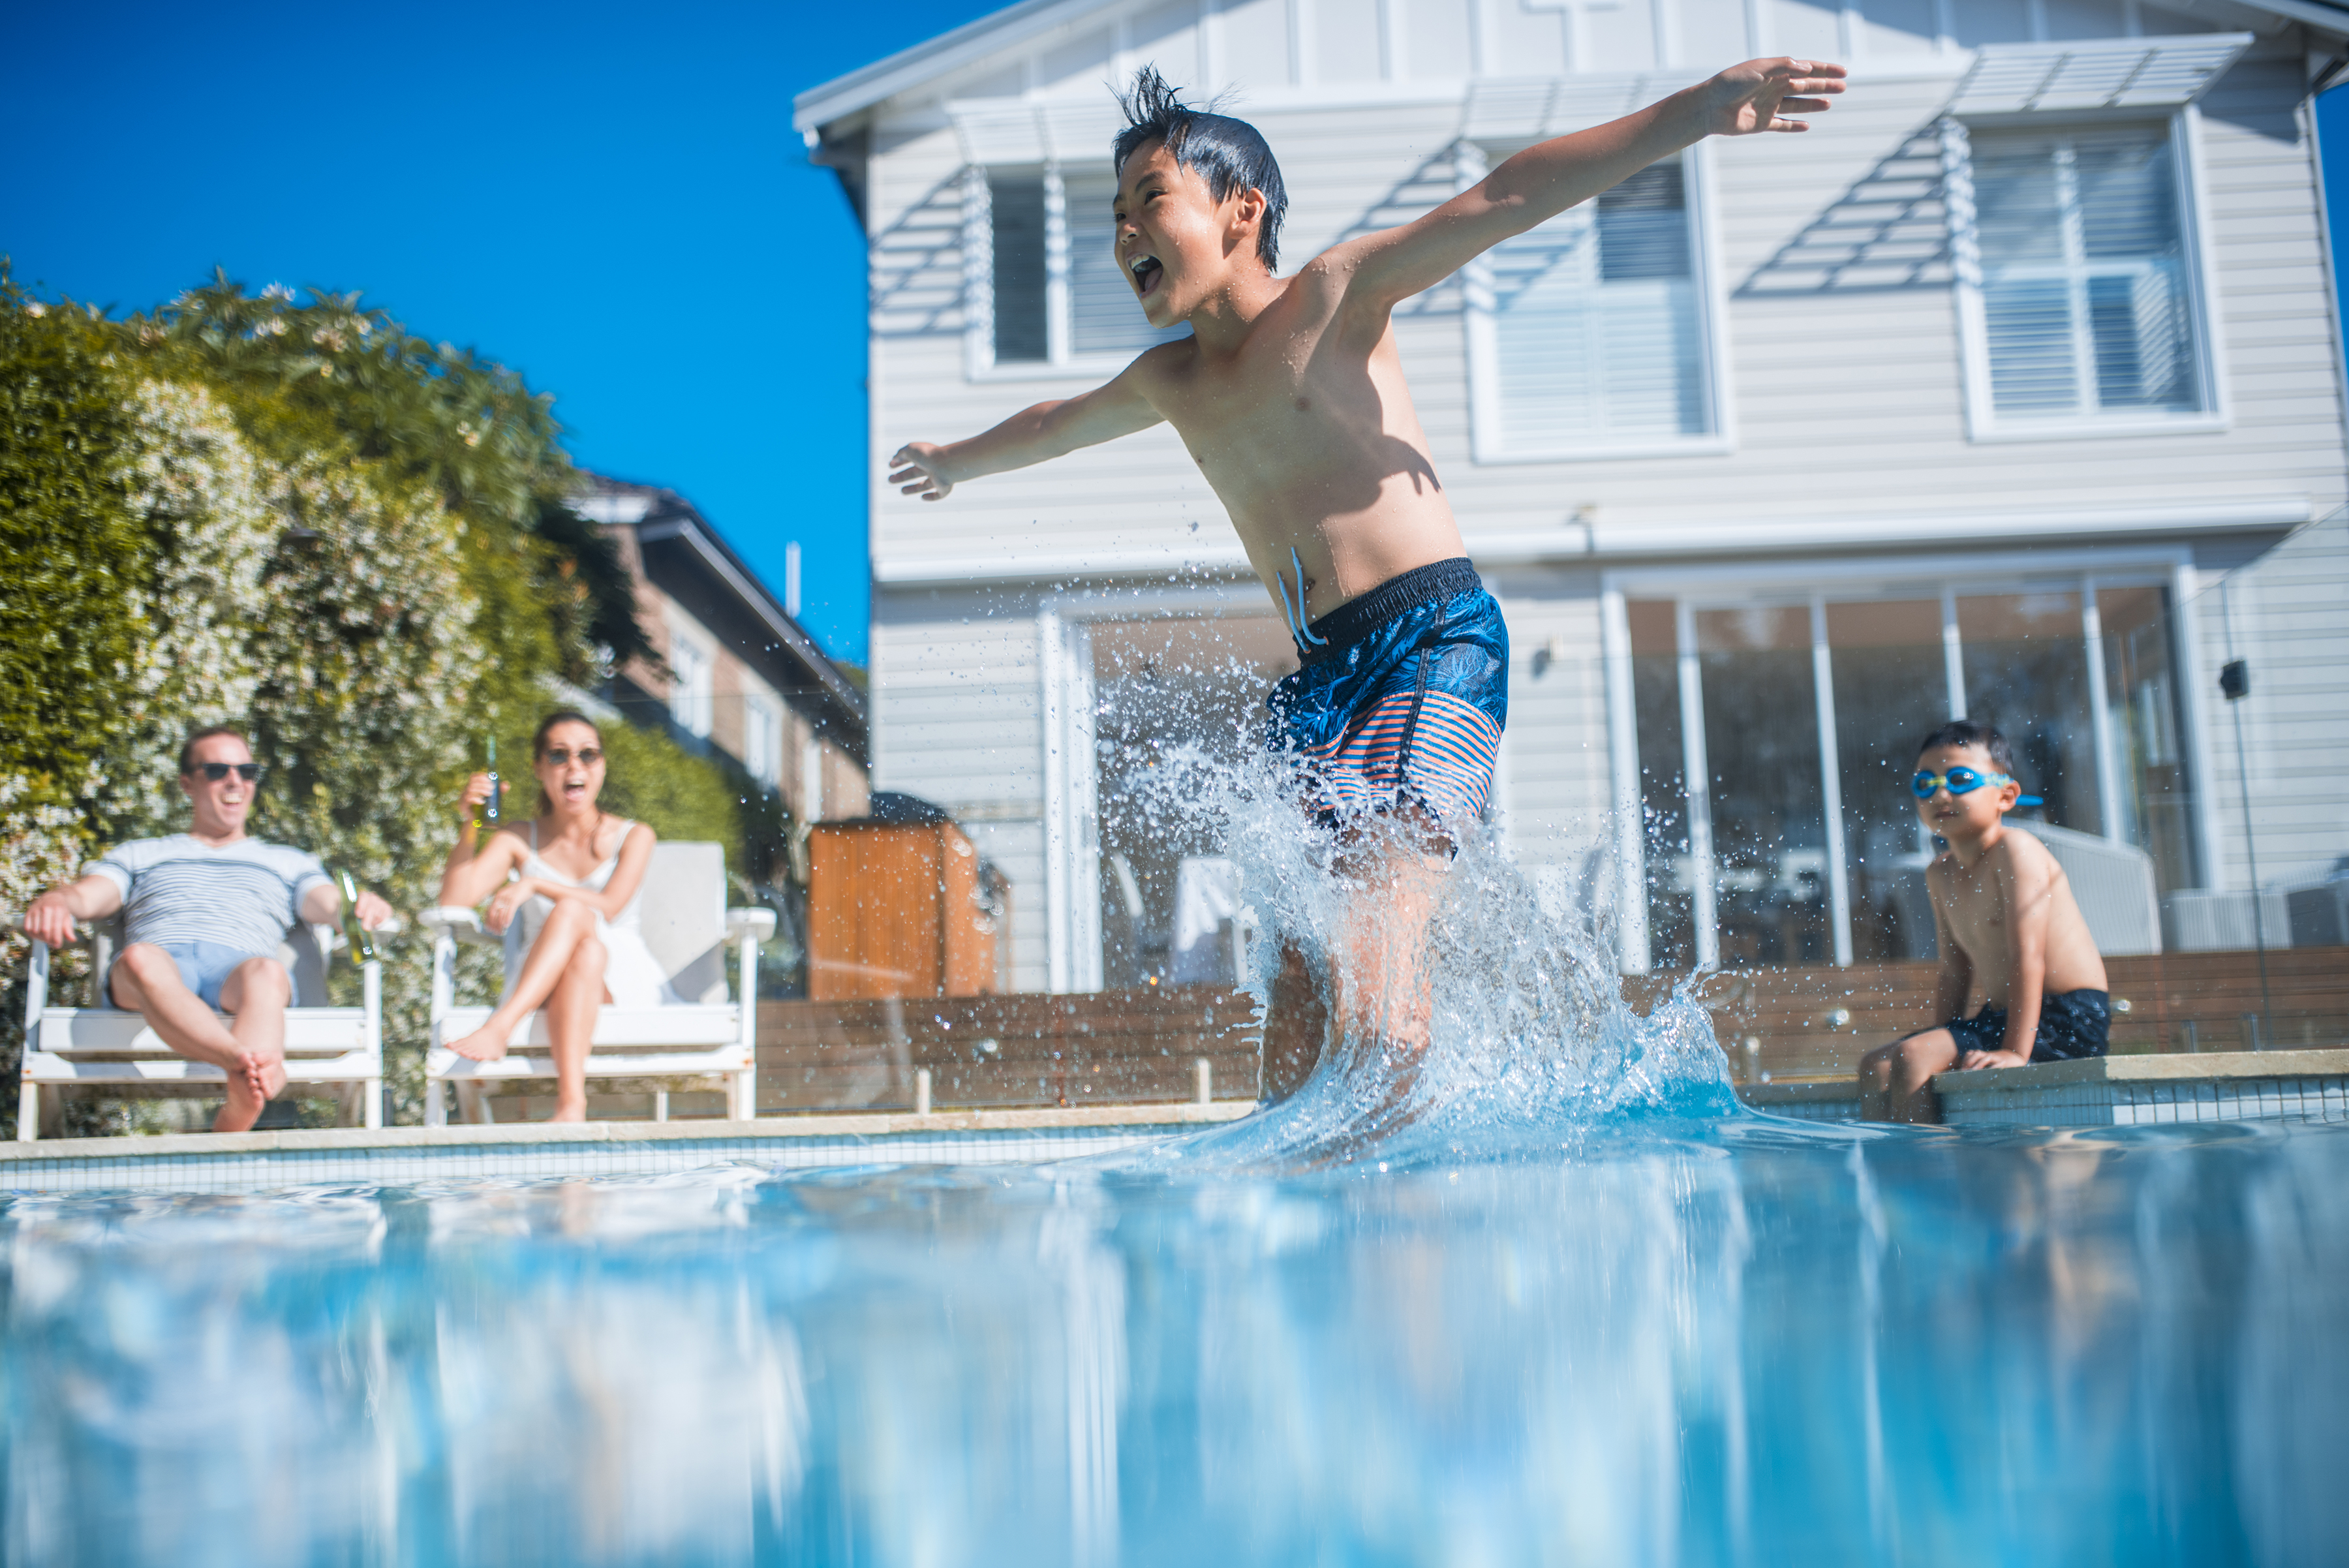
{"type": "Point", "coordinates": [1913, 1062]}
{"type": "Point", "coordinates": [1384, 995]}
{"type": "Point", "coordinates": [255, 995]}
{"type": "Point", "coordinates": [1296, 1026]}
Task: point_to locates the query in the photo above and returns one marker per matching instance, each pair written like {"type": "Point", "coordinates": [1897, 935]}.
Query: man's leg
{"type": "Point", "coordinates": [255, 995]}
{"type": "Point", "coordinates": [570, 1014]}
{"type": "Point", "coordinates": [572, 923]}
{"type": "Point", "coordinates": [146, 981]}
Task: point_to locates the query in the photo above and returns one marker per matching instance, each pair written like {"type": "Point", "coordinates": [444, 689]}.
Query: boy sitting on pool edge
{"type": "Point", "coordinates": [2006, 926]}
{"type": "Point", "coordinates": [1289, 395]}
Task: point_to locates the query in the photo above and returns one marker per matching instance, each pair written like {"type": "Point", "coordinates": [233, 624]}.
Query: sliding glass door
{"type": "Point", "coordinates": [1776, 734]}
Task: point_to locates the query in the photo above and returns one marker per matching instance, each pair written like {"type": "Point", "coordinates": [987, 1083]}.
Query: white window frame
{"type": "Point", "coordinates": [1983, 421]}
{"type": "Point", "coordinates": [1480, 329]}
{"type": "Point", "coordinates": [1061, 361]}
{"type": "Point", "coordinates": [692, 705]}
{"type": "Point", "coordinates": [1815, 584]}
{"type": "Point", "coordinates": [765, 761]}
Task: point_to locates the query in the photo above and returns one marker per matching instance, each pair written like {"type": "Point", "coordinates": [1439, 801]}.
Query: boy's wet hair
{"type": "Point", "coordinates": [1229, 154]}
{"type": "Point", "coordinates": [1966, 733]}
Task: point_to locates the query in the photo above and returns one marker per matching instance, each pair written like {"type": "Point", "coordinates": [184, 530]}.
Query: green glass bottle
{"type": "Point", "coordinates": [362, 940]}
{"type": "Point", "coordinates": [493, 804]}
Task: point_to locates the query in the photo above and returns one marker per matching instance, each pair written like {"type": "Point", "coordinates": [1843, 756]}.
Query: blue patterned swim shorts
{"type": "Point", "coordinates": [1403, 697]}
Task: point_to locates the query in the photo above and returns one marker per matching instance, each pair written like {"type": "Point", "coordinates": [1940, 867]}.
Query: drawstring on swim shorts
{"type": "Point", "coordinates": [1298, 630]}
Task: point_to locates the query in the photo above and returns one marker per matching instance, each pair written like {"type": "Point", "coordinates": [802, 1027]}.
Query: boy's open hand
{"type": "Point", "coordinates": [1760, 94]}
{"type": "Point", "coordinates": [920, 469]}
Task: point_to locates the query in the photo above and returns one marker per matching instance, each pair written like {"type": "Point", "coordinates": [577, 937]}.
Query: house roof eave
{"type": "Point", "coordinates": [847, 96]}
{"type": "Point", "coordinates": [860, 90]}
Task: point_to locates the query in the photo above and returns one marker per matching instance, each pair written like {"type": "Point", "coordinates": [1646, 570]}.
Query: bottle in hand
{"type": "Point", "coordinates": [493, 803]}
{"type": "Point", "coordinates": [362, 940]}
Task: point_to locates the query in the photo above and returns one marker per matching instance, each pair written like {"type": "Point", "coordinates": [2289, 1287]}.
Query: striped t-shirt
{"type": "Point", "coordinates": [181, 889]}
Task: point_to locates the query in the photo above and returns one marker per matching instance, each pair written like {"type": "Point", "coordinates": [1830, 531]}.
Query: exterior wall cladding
{"type": "Point", "coordinates": [1843, 452]}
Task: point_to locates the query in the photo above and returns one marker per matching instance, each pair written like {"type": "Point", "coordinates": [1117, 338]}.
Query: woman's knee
{"type": "Point", "coordinates": [571, 915]}
{"type": "Point", "coordinates": [586, 959]}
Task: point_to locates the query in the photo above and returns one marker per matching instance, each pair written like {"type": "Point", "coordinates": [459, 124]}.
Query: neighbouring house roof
{"type": "Point", "coordinates": [838, 99]}
{"type": "Point", "coordinates": [687, 558]}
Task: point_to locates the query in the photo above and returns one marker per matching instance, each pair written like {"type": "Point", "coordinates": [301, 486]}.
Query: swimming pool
{"type": "Point", "coordinates": [1546, 1295]}
{"type": "Point", "coordinates": [1713, 1339]}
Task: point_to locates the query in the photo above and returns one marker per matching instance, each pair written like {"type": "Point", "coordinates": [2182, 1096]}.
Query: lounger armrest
{"type": "Point", "coordinates": [752, 925]}
{"type": "Point", "coordinates": [463, 925]}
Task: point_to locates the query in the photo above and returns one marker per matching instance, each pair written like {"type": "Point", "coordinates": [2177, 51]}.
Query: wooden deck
{"type": "Point", "coordinates": [1139, 1046]}
{"type": "Point", "coordinates": [2175, 1002]}
{"type": "Point", "coordinates": [1121, 1047]}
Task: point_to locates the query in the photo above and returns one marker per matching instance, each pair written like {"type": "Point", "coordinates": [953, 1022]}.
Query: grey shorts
{"type": "Point", "coordinates": [204, 966]}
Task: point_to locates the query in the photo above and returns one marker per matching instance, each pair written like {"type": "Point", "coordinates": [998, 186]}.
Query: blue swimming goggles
{"type": "Point", "coordinates": [1961, 780]}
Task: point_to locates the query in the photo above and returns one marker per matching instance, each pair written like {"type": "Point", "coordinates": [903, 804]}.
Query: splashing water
{"type": "Point", "coordinates": [1558, 1301]}
{"type": "Point", "coordinates": [1530, 1043]}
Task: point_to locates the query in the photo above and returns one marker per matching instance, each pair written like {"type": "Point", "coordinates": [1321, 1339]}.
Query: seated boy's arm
{"type": "Point", "coordinates": [1955, 981]}
{"type": "Point", "coordinates": [1548, 178]}
{"type": "Point", "coordinates": [2026, 886]}
{"type": "Point", "coordinates": [1032, 435]}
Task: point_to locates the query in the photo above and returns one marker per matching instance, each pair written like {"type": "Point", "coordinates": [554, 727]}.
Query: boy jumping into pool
{"type": "Point", "coordinates": [2007, 928]}
{"type": "Point", "coordinates": [1289, 395]}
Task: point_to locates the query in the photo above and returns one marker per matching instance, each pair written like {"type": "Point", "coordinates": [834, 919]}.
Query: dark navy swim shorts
{"type": "Point", "coordinates": [1401, 697]}
{"type": "Point", "coordinates": [2072, 1025]}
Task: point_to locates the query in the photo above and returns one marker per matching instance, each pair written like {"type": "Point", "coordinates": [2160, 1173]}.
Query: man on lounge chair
{"type": "Point", "coordinates": [205, 912]}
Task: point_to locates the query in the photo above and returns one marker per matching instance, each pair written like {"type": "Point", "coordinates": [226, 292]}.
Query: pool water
{"type": "Point", "coordinates": [1546, 1295]}
{"type": "Point", "coordinates": [1727, 1340]}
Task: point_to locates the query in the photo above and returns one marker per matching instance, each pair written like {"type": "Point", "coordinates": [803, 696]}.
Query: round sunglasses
{"type": "Point", "coordinates": [561, 755]}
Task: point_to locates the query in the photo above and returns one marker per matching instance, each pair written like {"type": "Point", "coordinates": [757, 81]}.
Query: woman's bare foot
{"type": "Point", "coordinates": [568, 1110]}
{"type": "Point", "coordinates": [487, 1043]}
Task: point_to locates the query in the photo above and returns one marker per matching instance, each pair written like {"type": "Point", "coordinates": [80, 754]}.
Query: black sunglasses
{"type": "Point", "coordinates": [561, 755]}
{"type": "Point", "coordinates": [215, 771]}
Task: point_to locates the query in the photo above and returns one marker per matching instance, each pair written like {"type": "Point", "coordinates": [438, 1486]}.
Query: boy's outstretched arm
{"type": "Point", "coordinates": [1548, 178]}
{"type": "Point", "coordinates": [1031, 435]}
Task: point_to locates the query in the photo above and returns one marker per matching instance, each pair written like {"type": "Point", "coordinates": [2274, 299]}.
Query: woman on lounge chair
{"type": "Point", "coordinates": [571, 876]}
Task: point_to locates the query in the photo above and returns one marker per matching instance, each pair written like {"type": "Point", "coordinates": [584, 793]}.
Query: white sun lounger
{"type": "Point", "coordinates": [109, 1049]}
{"type": "Point", "coordinates": [688, 928]}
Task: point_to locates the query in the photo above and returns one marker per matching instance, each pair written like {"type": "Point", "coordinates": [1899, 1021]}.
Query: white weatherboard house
{"type": "Point", "coordinates": [2013, 390]}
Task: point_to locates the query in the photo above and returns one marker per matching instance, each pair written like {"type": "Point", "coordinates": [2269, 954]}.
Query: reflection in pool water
{"type": "Point", "coordinates": [1699, 1340]}
{"type": "Point", "coordinates": [1558, 1301]}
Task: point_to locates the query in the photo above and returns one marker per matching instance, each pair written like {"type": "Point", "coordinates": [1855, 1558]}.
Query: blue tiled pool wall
{"type": "Point", "coordinates": [2323, 1097]}
{"type": "Point", "coordinates": [249, 1172]}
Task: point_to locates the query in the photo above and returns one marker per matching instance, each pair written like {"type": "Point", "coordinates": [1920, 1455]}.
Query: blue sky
{"type": "Point", "coordinates": [609, 199]}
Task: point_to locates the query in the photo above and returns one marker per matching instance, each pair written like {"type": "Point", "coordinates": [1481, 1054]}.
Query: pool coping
{"type": "Point", "coordinates": [812, 1125]}
{"type": "Point", "coordinates": [2165, 1067]}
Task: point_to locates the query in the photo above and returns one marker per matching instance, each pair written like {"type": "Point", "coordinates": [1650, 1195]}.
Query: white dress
{"type": "Point", "coordinates": [631, 974]}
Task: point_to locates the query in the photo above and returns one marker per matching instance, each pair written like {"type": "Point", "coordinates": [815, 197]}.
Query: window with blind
{"type": "Point", "coordinates": [2086, 309]}
{"type": "Point", "coordinates": [1016, 229]}
{"type": "Point", "coordinates": [1060, 299]}
{"type": "Point", "coordinates": [1594, 338]}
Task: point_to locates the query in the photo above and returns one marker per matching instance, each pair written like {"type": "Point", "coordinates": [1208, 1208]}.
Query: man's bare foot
{"type": "Point", "coordinates": [487, 1043]}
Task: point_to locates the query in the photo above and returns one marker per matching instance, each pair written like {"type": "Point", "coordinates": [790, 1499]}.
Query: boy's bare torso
{"type": "Point", "coordinates": [1979, 904]}
{"type": "Point", "coordinates": [1309, 437]}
